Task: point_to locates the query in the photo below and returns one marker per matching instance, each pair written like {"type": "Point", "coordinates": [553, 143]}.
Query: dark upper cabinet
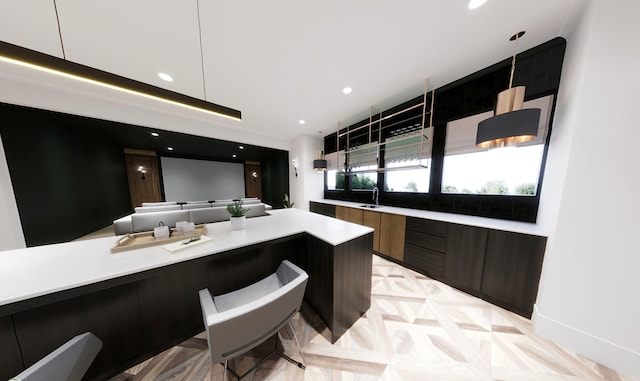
{"type": "Point", "coordinates": [512, 267]}
{"type": "Point", "coordinates": [464, 257]}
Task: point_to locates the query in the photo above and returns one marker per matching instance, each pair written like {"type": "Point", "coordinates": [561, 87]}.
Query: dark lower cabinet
{"type": "Point", "coordinates": [324, 209]}
{"type": "Point", "coordinates": [424, 248]}
{"type": "Point", "coordinates": [465, 256]}
{"type": "Point", "coordinates": [10, 351]}
{"type": "Point", "coordinates": [512, 267]}
{"type": "Point", "coordinates": [499, 266]}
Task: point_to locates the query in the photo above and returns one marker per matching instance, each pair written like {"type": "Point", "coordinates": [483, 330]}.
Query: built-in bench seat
{"type": "Point", "coordinates": [149, 215]}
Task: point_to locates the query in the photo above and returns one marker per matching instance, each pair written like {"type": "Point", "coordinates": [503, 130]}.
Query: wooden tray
{"type": "Point", "coordinates": [134, 241]}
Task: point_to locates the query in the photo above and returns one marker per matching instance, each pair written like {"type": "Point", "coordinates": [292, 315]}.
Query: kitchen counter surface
{"type": "Point", "coordinates": [491, 223]}
{"type": "Point", "coordinates": [32, 272]}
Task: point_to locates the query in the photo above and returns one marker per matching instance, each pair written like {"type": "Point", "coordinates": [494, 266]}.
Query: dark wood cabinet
{"type": "Point", "coordinates": [513, 263]}
{"type": "Point", "coordinates": [425, 242]}
{"type": "Point", "coordinates": [324, 209]}
{"type": "Point", "coordinates": [499, 266]}
{"type": "Point", "coordinates": [464, 260]}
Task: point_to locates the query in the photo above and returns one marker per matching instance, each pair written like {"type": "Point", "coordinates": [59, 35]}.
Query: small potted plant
{"type": "Point", "coordinates": [237, 212]}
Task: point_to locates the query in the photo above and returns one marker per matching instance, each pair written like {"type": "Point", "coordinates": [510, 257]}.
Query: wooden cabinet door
{"type": "Point", "coordinates": [372, 220]}
{"type": "Point", "coordinates": [342, 213]}
{"type": "Point", "coordinates": [512, 267]}
{"type": "Point", "coordinates": [355, 215]}
{"type": "Point", "coordinates": [392, 231]}
{"type": "Point", "coordinates": [464, 256]}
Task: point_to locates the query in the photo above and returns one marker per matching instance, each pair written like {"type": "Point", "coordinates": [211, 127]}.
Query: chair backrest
{"type": "Point", "coordinates": [196, 205]}
{"type": "Point", "coordinates": [234, 331]}
{"type": "Point", "coordinates": [67, 363]}
{"type": "Point", "coordinates": [147, 221]}
{"type": "Point", "coordinates": [255, 210]}
{"type": "Point", "coordinates": [207, 215]}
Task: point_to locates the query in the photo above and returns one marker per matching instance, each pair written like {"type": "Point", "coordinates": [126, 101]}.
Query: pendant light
{"type": "Point", "coordinates": [511, 124]}
{"type": "Point", "coordinates": [320, 164]}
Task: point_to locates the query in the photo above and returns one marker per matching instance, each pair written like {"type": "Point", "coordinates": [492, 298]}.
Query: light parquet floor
{"type": "Point", "coordinates": [416, 329]}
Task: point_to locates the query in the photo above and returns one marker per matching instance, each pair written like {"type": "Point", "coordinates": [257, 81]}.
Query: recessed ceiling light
{"type": "Point", "coordinates": [473, 4]}
{"type": "Point", "coordinates": [347, 90]}
{"type": "Point", "coordinates": [241, 147]}
{"type": "Point", "coordinates": [155, 134]}
{"type": "Point", "coordinates": [302, 121]}
{"type": "Point", "coordinates": [166, 77]}
{"type": "Point", "coordinates": [234, 155]}
{"type": "Point", "coordinates": [170, 148]}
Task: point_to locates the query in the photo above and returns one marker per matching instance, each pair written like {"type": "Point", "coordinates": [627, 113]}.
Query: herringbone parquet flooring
{"type": "Point", "coordinates": [416, 329]}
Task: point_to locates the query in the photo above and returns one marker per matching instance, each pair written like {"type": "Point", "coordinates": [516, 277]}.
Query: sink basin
{"type": "Point", "coordinates": [370, 206]}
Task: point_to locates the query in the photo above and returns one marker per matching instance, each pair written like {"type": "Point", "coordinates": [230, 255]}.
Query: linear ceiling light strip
{"type": "Point", "coordinates": [17, 55]}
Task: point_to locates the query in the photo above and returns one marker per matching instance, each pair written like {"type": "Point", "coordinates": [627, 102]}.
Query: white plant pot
{"type": "Point", "coordinates": [237, 223]}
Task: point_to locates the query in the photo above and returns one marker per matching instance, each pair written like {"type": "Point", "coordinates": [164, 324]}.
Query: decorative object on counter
{"type": "Point", "coordinates": [180, 226]}
{"type": "Point", "coordinates": [161, 232]}
{"type": "Point", "coordinates": [287, 204]}
{"type": "Point", "coordinates": [140, 240]}
{"type": "Point", "coordinates": [238, 218]}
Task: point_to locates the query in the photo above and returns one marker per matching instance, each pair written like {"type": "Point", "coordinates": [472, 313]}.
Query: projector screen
{"type": "Point", "coordinates": [198, 180]}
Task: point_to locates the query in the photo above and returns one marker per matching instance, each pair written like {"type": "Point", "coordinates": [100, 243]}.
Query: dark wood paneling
{"type": "Point", "coordinates": [9, 350]}
{"type": "Point", "coordinates": [140, 315]}
{"type": "Point", "coordinates": [436, 228]}
{"type": "Point", "coordinates": [512, 267]}
{"type": "Point", "coordinates": [253, 179]}
{"type": "Point", "coordinates": [427, 241]}
{"type": "Point", "coordinates": [324, 209]}
{"type": "Point", "coordinates": [424, 260]}
{"type": "Point", "coordinates": [465, 256]}
{"type": "Point", "coordinates": [112, 315]}
{"type": "Point", "coordinates": [352, 283]}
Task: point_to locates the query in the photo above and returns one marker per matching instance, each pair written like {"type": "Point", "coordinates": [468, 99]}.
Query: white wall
{"type": "Point", "coordinates": [589, 294]}
{"type": "Point", "coordinates": [11, 236]}
{"type": "Point", "coordinates": [309, 184]}
{"type": "Point", "coordinates": [197, 180]}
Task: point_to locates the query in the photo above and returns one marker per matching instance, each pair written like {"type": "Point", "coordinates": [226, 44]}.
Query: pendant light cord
{"type": "Point", "coordinates": [204, 85]}
{"type": "Point", "coordinates": [55, 7]}
{"type": "Point", "coordinates": [513, 61]}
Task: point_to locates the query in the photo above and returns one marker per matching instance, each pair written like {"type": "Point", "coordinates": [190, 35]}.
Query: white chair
{"type": "Point", "coordinates": [67, 363]}
{"type": "Point", "coordinates": [240, 320]}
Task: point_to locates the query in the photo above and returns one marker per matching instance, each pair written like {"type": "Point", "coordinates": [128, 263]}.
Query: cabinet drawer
{"type": "Point", "coordinates": [436, 228]}
{"type": "Point", "coordinates": [426, 241]}
{"type": "Point", "coordinates": [325, 209]}
{"type": "Point", "coordinates": [428, 261]}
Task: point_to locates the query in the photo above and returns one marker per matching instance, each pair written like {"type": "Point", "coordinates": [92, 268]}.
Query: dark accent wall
{"type": "Point", "coordinates": [538, 69]}
{"type": "Point", "coordinates": [66, 183]}
{"type": "Point", "coordinates": [275, 179]}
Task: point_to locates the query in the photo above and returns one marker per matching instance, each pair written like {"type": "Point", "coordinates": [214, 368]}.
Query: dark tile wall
{"type": "Point", "coordinates": [538, 69]}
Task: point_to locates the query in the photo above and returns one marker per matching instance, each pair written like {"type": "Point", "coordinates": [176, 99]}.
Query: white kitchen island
{"type": "Point", "coordinates": [143, 301]}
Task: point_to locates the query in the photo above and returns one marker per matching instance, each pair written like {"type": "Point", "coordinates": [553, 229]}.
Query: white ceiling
{"type": "Point", "coordinates": [276, 61]}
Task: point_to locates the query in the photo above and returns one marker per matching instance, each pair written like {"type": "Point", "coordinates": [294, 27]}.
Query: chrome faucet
{"type": "Point", "coordinates": [376, 192]}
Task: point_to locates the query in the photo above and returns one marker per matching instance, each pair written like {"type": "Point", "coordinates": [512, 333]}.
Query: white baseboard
{"type": "Point", "coordinates": [605, 352]}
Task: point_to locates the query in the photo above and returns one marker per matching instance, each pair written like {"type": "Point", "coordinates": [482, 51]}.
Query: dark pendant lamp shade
{"type": "Point", "coordinates": [320, 164]}
{"type": "Point", "coordinates": [508, 129]}
{"type": "Point", "coordinates": [511, 124]}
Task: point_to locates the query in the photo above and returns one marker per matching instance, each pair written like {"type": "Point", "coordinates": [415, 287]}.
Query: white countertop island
{"type": "Point", "coordinates": [143, 301]}
{"type": "Point", "coordinates": [37, 271]}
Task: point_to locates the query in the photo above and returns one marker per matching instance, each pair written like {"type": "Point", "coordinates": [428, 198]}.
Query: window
{"type": "Point", "coordinates": [407, 161]}
{"type": "Point", "coordinates": [335, 170]}
{"type": "Point", "coordinates": [511, 171]}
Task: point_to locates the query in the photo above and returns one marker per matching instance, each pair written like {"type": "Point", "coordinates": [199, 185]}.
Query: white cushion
{"type": "Point", "coordinates": [159, 208]}
{"type": "Point", "coordinates": [196, 206]}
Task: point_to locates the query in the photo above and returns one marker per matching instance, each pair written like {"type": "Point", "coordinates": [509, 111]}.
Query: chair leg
{"type": "Point", "coordinates": [295, 337]}
{"type": "Point", "coordinates": [224, 372]}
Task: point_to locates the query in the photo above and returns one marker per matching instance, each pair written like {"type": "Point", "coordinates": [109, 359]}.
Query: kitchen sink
{"type": "Point", "coordinates": [370, 206]}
